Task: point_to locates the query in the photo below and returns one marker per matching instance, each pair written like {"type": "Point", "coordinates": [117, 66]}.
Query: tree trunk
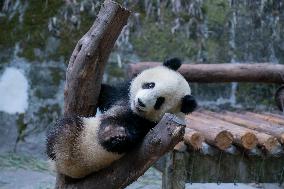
{"type": "Point", "coordinates": [86, 66]}
{"type": "Point", "coordinates": [82, 88]}
{"type": "Point", "coordinates": [129, 168]}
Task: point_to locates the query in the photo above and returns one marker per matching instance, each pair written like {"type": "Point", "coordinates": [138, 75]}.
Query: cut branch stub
{"type": "Point", "coordinates": [166, 134]}
{"type": "Point", "coordinates": [87, 62]}
{"type": "Point", "coordinates": [279, 98]}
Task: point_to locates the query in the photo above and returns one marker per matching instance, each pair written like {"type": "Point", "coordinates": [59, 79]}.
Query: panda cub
{"type": "Point", "coordinates": [81, 145]}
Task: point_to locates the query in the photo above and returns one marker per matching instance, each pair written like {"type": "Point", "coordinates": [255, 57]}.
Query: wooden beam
{"type": "Point", "coordinates": [212, 73]}
{"type": "Point", "coordinates": [254, 124]}
{"type": "Point", "coordinates": [269, 118]}
{"type": "Point", "coordinates": [216, 136]}
{"type": "Point", "coordinates": [242, 137]}
{"type": "Point", "coordinates": [267, 142]}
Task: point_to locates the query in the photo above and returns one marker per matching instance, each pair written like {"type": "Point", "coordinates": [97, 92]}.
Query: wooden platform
{"type": "Point", "coordinates": [245, 130]}
{"type": "Point", "coordinates": [227, 147]}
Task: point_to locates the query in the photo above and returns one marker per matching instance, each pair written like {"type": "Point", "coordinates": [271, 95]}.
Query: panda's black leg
{"type": "Point", "coordinates": [64, 131]}
{"type": "Point", "coordinates": [117, 139]}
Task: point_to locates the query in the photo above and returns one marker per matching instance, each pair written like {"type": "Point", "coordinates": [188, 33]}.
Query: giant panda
{"type": "Point", "coordinates": [79, 146]}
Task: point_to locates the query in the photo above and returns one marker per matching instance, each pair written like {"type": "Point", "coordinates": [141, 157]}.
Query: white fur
{"type": "Point", "coordinates": [168, 84]}
{"type": "Point", "coordinates": [89, 156]}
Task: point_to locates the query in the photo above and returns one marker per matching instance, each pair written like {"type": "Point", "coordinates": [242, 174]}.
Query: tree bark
{"type": "Point", "coordinates": [86, 66]}
{"type": "Point", "coordinates": [168, 132]}
{"type": "Point", "coordinates": [82, 88]}
{"type": "Point", "coordinates": [212, 73]}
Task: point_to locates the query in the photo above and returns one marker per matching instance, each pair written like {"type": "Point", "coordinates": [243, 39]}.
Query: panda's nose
{"type": "Point", "coordinates": [140, 103]}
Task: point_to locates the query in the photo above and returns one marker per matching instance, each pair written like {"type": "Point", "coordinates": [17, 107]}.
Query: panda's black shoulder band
{"type": "Point", "coordinates": [172, 63]}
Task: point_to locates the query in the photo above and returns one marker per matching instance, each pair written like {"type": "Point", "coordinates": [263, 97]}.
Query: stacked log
{"type": "Point", "coordinates": [241, 136]}
{"type": "Point", "coordinates": [214, 135]}
{"type": "Point", "coordinates": [267, 117]}
{"type": "Point", "coordinates": [193, 139]}
{"type": "Point", "coordinates": [251, 123]}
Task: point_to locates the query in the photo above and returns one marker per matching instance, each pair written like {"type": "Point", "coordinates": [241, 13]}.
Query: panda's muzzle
{"type": "Point", "coordinates": [140, 103]}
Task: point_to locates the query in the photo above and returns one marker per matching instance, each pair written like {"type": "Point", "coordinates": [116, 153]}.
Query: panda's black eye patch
{"type": "Point", "coordinates": [150, 85]}
{"type": "Point", "coordinates": [159, 103]}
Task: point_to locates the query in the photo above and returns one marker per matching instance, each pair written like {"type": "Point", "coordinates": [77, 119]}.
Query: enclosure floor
{"type": "Point", "coordinates": [29, 179]}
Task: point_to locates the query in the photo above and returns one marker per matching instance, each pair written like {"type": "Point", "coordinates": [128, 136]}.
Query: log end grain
{"type": "Point", "coordinates": [193, 139]}
{"type": "Point", "coordinates": [224, 140]}
{"type": "Point", "coordinates": [271, 144]}
{"type": "Point", "coordinates": [249, 140]}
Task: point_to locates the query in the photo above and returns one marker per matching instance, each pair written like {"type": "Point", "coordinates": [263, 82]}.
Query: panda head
{"type": "Point", "coordinates": [161, 90]}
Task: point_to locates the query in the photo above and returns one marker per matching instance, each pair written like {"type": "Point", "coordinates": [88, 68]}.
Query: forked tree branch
{"type": "Point", "coordinates": [167, 133]}
{"type": "Point", "coordinates": [83, 82]}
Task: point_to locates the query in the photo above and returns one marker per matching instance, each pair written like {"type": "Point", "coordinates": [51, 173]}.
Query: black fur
{"type": "Point", "coordinates": [189, 104]}
{"type": "Point", "coordinates": [150, 85]}
{"type": "Point", "coordinates": [121, 133]}
{"type": "Point", "coordinates": [160, 101]}
{"type": "Point", "coordinates": [110, 95]}
{"type": "Point", "coordinates": [173, 63]}
{"type": "Point", "coordinates": [62, 127]}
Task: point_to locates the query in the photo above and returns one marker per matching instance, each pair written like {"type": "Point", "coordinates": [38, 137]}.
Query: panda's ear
{"type": "Point", "coordinates": [188, 104]}
{"type": "Point", "coordinates": [172, 63]}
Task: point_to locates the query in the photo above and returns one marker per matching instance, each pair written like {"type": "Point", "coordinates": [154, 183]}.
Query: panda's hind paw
{"type": "Point", "coordinates": [117, 139]}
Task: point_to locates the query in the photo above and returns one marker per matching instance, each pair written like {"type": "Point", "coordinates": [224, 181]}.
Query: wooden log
{"type": "Point", "coordinates": [212, 73]}
{"type": "Point", "coordinates": [269, 118]}
{"type": "Point", "coordinates": [213, 135]}
{"type": "Point", "coordinates": [265, 141]}
{"type": "Point", "coordinates": [193, 138]}
{"type": "Point", "coordinates": [242, 137]}
{"type": "Point", "coordinates": [280, 116]}
{"type": "Point", "coordinates": [174, 174]}
{"type": "Point", "coordinates": [271, 129]}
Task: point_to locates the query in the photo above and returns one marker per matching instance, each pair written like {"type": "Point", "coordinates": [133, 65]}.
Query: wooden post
{"type": "Point", "coordinates": [174, 174]}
